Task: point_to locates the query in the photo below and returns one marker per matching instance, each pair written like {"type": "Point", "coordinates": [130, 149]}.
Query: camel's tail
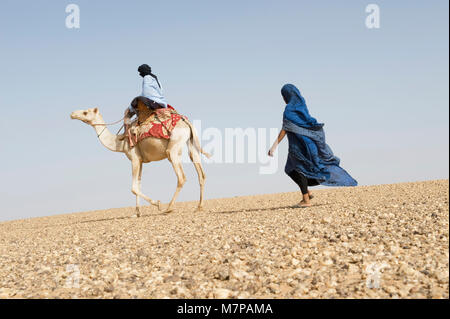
{"type": "Point", "coordinates": [195, 141]}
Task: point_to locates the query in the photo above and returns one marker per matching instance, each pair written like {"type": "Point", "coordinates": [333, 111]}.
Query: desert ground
{"type": "Point", "coordinates": [386, 241]}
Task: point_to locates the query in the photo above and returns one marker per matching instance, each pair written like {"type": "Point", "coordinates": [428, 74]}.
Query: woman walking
{"type": "Point", "coordinates": [310, 161]}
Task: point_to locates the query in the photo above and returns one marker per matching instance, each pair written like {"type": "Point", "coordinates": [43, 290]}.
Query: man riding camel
{"type": "Point", "coordinates": [152, 96]}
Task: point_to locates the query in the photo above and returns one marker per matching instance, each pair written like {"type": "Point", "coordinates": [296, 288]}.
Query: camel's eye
{"type": "Point", "coordinates": [85, 113]}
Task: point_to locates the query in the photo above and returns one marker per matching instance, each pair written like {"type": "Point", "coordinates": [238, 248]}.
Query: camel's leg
{"type": "Point", "coordinates": [196, 158]}
{"type": "Point", "coordinates": [135, 188]}
{"type": "Point", "coordinates": [174, 156]}
{"type": "Point", "coordinates": [138, 213]}
{"type": "Point", "coordinates": [140, 176]}
{"type": "Point", "coordinates": [156, 203]}
{"type": "Point", "coordinates": [136, 167]}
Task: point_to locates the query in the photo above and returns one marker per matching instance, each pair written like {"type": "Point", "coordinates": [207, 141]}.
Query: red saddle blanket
{"type": "Point", "coordinates": [157, 123]}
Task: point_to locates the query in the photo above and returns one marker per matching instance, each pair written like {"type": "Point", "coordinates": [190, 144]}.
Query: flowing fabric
{"type": "Point", "coordinates": [296, 110]}
{"type": "Point", "coordinates": [308, 152]}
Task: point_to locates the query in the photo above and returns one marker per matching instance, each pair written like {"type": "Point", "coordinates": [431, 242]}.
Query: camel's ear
{"type": "Point", "coordinates": [96, 110]}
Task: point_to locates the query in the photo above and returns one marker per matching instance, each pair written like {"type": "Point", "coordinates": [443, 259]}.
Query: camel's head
{"type": "Point", "coordinates": [88, 116]}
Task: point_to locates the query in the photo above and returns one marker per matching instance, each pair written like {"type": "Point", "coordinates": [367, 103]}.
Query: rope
{"type": "Point", "coordinates": [98, 135]}
{"type": "Point", "coordinates": [162, 123]}
{"type": "Point", "coordinates": [107, 124]}
{"type": "Point", "coordinates": [120, 129]}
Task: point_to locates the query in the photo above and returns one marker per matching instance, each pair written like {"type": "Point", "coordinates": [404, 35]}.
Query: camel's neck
{"type": "Point", "coordinates": [109, 140]}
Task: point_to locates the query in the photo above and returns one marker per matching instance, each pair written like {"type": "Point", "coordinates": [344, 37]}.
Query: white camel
{"type": "Point", "coordinates": [149, 150]}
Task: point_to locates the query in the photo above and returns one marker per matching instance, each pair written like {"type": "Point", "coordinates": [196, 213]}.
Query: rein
{"type": "Point", "coordinates": [107, 124]}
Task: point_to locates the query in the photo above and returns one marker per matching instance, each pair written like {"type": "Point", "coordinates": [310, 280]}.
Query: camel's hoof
{"type": "Point", "coordinates": [200, 209]}
{"type": "Point", "coordinates": [169, 209]}
{"type": "Point", "coordinates": [157, 204]}
{"type": "Point", "coordinates": [135, 216]}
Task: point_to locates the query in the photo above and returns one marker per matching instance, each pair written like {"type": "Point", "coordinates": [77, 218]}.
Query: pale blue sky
{"type": "Point", "coordinates": [382, 93]}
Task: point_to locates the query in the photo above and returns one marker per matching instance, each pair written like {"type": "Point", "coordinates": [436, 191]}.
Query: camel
{"type": "Point", "coordinates": [149, 150]}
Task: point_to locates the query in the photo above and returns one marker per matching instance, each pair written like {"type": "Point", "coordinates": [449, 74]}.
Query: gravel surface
{"type": "Point", "coordinates": [386, 241]}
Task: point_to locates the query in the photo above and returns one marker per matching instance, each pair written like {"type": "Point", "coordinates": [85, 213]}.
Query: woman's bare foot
{"type": "Point", "coordinates": [305, 201]}
{"type": "Point", "coordinates": [304, 204]}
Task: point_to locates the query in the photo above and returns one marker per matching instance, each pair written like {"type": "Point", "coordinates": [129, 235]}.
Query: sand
{"type": "Point", "coordinates": [387, 241]}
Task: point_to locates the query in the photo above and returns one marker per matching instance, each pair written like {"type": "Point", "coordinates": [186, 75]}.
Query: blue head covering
{"type": "Point", "coordinates": [296, 110]}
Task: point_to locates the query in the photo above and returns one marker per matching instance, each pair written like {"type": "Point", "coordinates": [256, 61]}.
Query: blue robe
{"type": "Point", "coordinates": [308, 152]}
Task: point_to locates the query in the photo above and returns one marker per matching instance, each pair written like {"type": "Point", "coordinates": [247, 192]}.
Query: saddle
{"type": "Point", "coordinates": [157, 123]}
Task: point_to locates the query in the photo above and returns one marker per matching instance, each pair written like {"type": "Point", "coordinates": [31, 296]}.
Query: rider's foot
{"type": "Point", "coordinates": [130, 139]}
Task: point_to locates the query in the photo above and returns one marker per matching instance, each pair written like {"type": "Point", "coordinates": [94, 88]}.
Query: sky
{"type": "Point", "coordinates": [381, 92]}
